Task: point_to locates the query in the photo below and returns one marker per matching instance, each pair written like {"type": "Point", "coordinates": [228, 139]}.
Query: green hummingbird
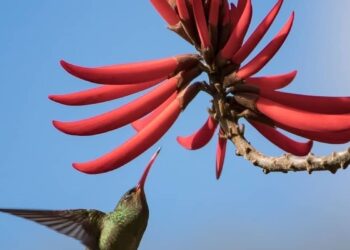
{"type": "Point", "coordinates": [121, 229]}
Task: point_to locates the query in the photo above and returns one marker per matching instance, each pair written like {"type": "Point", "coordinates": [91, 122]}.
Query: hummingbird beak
{"type": "Point", "coordinates": [142, 181]}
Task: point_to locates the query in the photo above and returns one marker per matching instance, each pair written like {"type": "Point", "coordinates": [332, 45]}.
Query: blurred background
{"type": "Point", "coordinates": [189, 209]}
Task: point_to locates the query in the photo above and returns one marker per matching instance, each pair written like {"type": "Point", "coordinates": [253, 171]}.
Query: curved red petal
{"type": "Point", "coordinates": [102, 94]}
{"type": "Point", "coordinates": [166, 11]}
{"type": "Point", "coordinates": [225, 13]}
{"type": "Point", "coordinates": [237, 11]}
{"type": "Point", "coordinates": [201, 137]}
{"type": "Point", "coordinates": [280, 140]}
{"type": "Point", "coordinates": [303, 120]}
{"type": "Point", "coordinates": [316, 104]}
{"type": "Point", "coordinates": [220, 155]}
{"type": "Point", "coordinates": [325, 137]}
{"type": "Point", "coordinates": [201, 23]}
{"type": "Point", "coordinates": [182, 9]}
{"type": "Point", "coordinates": [214, 13]}
{"type": "Point", "coordinates": [258, 62]}
{"type": "Point", "coordinates": [142, 122]}
{"type": "Point", "coordinates": [131, 73]}
{"type": "Point", "coordinates": [272, 82]}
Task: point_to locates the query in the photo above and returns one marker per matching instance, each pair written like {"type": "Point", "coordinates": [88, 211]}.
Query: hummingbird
{"type": "Point", "coordinates": [121, 229]}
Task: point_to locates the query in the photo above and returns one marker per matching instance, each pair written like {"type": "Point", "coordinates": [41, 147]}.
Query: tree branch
{"type": "Point", "coordinates": [287, 162]}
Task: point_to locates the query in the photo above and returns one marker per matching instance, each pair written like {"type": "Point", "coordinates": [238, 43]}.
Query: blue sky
{"type": "Point", "coordinates": [189, 208]}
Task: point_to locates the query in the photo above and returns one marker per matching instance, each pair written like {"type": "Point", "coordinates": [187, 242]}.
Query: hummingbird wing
{"type": "Point", "coordinates": [81, 224]}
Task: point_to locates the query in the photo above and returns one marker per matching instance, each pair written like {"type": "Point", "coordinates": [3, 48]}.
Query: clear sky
{"type": "Point", "coordinates": [189, 209]}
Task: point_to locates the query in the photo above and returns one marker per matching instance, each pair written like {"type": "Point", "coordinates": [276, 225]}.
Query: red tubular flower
{"type": "Point", "coordinates": [182, 10]}
{"type": "Point", "coordinates": [214, 13]}
{"type": "Point", "coordinates": [220, 154]}
{"type": "Point", "coordinates": [218, 31]}
{"type": "Point", "coordinates": [326, 137]}
{"type": "Point", "coordinates": [272, 82]}
{"type": "Point", "coordinates": [234, 14]}
{"type": "Point", "coordinates": [201, 137]}
{"type": "Point", "coordinates": [282, 141]}
{"type": "Point", "coordinates": [102, 94]}
{"type": "Point", "coordinates": [225, 14]}
{"type": "Point", "coordinates": [213, 21]}
{"type": "Point", "coordinates": [133, 72]}
{"type": "Point", "coordinates": [303, 120]}
{"type": "Point", "coordinates": [166, 11]}
{"type": "Point", "coordinates": [315, 104]}
{"type": "Point", "coordinates": [201, 23]}
{"type": "Point", "coordinates": [142, 122]}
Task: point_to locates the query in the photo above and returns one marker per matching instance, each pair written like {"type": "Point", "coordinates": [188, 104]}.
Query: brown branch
{"type": "Point", "coordinates": [287, 162]}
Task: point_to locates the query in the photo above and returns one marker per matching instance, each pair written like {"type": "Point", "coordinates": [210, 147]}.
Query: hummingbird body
{"type": "Point", "coordinates": [121, 229]}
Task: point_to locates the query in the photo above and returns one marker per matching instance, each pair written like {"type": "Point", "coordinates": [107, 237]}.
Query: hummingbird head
{"type": "Point", "coordinates": [135, 198]}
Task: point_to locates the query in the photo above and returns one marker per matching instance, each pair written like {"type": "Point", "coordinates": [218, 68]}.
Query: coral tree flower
{"type": "Point", "coordinates": [218, 30]}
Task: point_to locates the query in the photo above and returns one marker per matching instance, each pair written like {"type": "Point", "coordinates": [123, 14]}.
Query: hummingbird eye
{"type": "Point", "coordinates": [128, 195]}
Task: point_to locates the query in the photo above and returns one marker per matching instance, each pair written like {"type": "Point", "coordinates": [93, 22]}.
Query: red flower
{"type": "Point", "coordinates": [218, 31]}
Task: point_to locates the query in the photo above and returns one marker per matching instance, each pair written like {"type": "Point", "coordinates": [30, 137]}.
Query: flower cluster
{"type": "Point", "coordinates": [218, 31]}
